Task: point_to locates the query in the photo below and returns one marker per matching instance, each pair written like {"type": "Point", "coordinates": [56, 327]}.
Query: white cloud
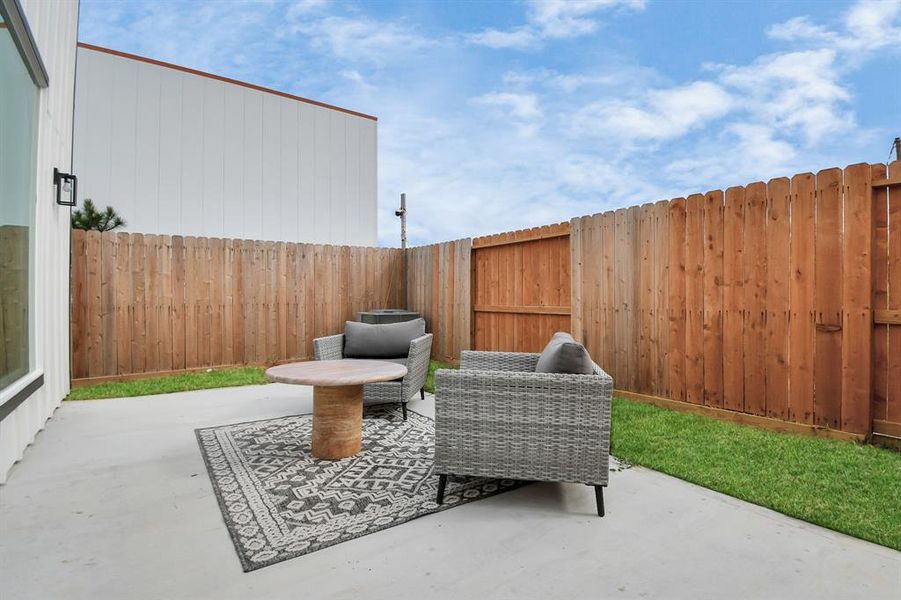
{"type": "Point", "coordinates": [872, 25]}
{"type": "Point", "coordinates": [572, 82]}
{"type": "Point", "coordinates": [800, 90]}
{"type": "Point", "coordinates": [799, 28]}
{"type": "Point", "coordinates": [572, 18]}
{"type": "Point", "coordinates": [661, 115]}
{"type": "Point", "coordinates": [869, 25]}
{"type": "Point", "coordinates": [521, 37]}
{"type": "Point", "coordinates": [522, 109]}
{"type": "Point", "coordinates": [362, 39]}
{"type": "Point", "coordinates": [304, 7]}
{"type": "Point", "coordinates": [742, 153]}
{"type": "Point", "coordinates": [521, 106]}
{"type": "Point", "coordinates": [552, 19]}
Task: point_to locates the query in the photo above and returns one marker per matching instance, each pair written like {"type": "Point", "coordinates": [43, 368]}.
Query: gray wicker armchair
{"type": "Point", "coordinates": [496, 417]}
{"type": "Point", "coordinates": [417, 363]}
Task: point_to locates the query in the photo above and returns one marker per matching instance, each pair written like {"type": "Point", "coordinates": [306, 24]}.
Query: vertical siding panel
{"type": "Point", "coordinates": [271, 194]}
{"type": "Point", "coordinates": [148, 154]}
{"type": "Point", "coordinates": [252, 166]}
{"type": "Point", "coordinates": [192, 154]}
{"type": "Point", "coordinates": [209, 204]}
{"type": "Point", "coordinates": [232, 224]}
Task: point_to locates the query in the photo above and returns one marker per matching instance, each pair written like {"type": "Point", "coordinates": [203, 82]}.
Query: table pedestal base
{"type": "Point", "coordinates": [337, 421]}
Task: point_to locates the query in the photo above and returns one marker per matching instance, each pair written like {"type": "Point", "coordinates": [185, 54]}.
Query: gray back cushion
{"type": "Point", "coordinates": [563, 354]}
{"type": "Point", "coordinates": [362, 340]}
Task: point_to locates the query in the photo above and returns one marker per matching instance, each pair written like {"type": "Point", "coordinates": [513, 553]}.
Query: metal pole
{"type": "Point", "coordinates": [402, 213]}
{"type": "Point", "coordinates": [898, 148]}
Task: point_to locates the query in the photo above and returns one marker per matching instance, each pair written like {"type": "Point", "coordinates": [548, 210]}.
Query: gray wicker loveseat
{"type": "Point", "coordinates": [496, 417]}
{"type": "Point", "coordinates": [416, 361]}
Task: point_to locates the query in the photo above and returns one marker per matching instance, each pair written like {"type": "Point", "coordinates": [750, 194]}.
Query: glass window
{"type": "Point", "coordinates": [18, 144]}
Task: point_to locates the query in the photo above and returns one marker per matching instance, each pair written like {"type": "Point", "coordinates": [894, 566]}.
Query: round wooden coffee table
{"type": "Point", "coordinates": [337, 398]}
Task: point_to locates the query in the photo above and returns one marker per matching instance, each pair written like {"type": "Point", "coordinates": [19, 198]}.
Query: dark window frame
{"type": "Point", "coordinates": [17, 24]}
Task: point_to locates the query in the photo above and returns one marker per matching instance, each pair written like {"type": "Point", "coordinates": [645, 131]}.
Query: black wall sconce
{"type": "Point", "coordinates": [65, 182]}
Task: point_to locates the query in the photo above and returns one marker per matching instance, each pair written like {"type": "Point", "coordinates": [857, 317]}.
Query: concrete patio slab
{"type": "Point", "coordinates": [113, 501]}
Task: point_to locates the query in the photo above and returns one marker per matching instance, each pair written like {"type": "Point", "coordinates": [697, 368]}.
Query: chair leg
{"type": "Point", "coordinates": [422, 393]}
{"type": "Point", "coordinates": [599, 497]}
{"type": "Point", "coordinates": [404, 407]}
{"type": "Point", "coordinates": [442, 482]}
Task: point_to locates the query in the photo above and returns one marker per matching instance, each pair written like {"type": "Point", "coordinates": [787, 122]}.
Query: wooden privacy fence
{"type": "Point", "coordinates": [755, 300]}
{"type": "Point", "coordinates": [887, 299]}
{"type": "Point", "coordinates": [521, 288]}
{"type": "Point", "coordinates": [778, 299]}
{"type": "Point", "coordinates": [759, 300]}
{"type": "Point", "coordinates": [438, 287]}
{"type": "Point", "coordinates": [148, 303]}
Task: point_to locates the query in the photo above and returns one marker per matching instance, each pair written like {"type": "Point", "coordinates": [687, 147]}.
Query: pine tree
{"type": "Point", "coordinates": [89, 218]}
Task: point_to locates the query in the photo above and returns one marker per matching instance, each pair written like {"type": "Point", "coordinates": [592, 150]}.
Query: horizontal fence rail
{"type": "Point", "coordinates": [151, 303]}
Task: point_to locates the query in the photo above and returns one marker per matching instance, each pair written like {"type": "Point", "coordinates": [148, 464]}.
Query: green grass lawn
{"type": "Point", "coordinates": [848, 487]}
{"type": "Point", "coordinates": [434, 365]}
{"type": "Point", "coordinates": [168, 384]}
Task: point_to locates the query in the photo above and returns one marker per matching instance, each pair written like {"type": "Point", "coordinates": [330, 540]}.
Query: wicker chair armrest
{"type": "Point", "coordinates": [453, 385]}
{"type": "Point", "coordinates": [475, 360]}
{"type": "Point", "coordinates": [329, 348]}
{"type": "Point", "coordinates": [417, 364]}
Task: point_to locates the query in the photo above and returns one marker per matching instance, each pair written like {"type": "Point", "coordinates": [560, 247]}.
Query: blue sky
{"type": "Point", "coordinates": [501, 115]}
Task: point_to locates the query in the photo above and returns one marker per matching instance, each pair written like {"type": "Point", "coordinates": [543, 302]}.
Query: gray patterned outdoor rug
{"type": "Point", "coordinates": [279, 502]}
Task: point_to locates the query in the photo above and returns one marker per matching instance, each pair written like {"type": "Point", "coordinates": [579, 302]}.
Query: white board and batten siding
{"type": "Point", "coordinates": [54, 26]}
{"type": "Point", "coordinates": [186, 153]}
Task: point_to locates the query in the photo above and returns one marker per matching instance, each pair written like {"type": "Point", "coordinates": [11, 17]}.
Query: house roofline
{"type": "Point", "coordinates": [251, 86]}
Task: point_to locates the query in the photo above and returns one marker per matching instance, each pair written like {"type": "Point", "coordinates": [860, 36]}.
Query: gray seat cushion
{"type": "Point", "coordinates": [563, 354]}
{"type": "Point", "coordinates": [362, 340]}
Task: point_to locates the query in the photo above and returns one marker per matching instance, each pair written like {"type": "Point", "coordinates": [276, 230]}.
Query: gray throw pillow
{"type": "Point", "coordinates": [563, 354]}
{"type": "Point", "coordinates": [362, 340]}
